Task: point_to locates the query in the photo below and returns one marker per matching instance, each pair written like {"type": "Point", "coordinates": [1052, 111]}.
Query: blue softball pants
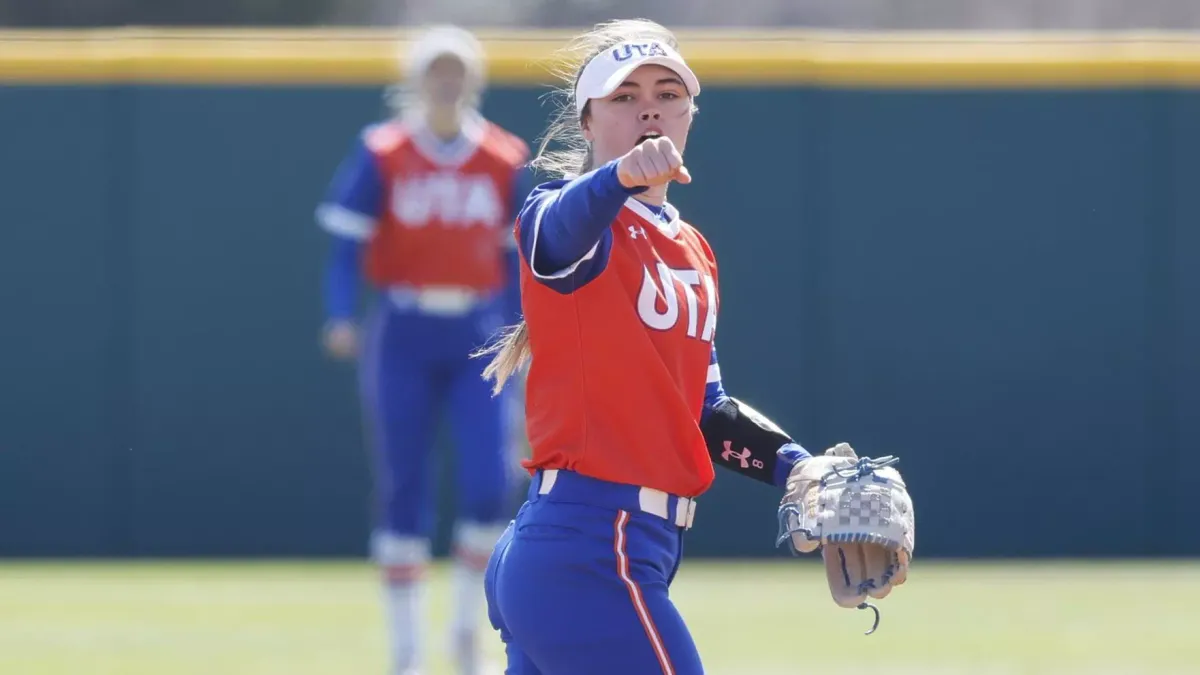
{"type": "Point", "coordinates": [578, 584]}
{"type": "Point", "coordinates": [414, 367]}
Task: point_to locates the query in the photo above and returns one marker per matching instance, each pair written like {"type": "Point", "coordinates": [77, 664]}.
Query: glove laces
{"type": "Point", "coordinates": [873, 608]}
{"type": "Point", "coordinates": [865, 466]}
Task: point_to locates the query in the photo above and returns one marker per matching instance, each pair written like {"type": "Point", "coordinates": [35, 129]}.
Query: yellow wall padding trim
{"type": "Point", "coordinates": [327, 56]}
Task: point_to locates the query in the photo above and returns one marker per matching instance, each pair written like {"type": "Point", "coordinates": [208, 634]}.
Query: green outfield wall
{"type": "Point", "coordinates": [983, 258]}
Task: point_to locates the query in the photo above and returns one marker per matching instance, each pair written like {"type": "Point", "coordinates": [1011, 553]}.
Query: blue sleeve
{"type": "Point", "coordinates": [354, 198]}
{"type": "Point", "coordinates": [789, 456]}
{"type": "Point", "coordinates": [348, 211]}
{"type": "Point", "coordinates": [341, 285]}
{"type": "Point", "coordinates": [714, 394]}
{"type": "Point", "coordinates": [565, 235]}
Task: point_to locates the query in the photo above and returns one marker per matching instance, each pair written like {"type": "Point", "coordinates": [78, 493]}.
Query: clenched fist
{"type": "Point", "coordinates": [653, 162]}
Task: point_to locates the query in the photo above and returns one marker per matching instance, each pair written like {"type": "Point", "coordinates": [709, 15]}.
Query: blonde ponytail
{"type": "Point", "coordinates": [511, 354]}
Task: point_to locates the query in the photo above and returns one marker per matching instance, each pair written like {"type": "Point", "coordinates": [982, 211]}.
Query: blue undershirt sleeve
{"type": "Point", "coordinates": [342, 278]}
{"type": "Point", "coordinates": [565, 231]}
{"type": "Point", "coordinates": [348, 212]}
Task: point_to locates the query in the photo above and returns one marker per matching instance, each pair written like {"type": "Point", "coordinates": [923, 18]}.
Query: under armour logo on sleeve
{"type": "Point", "coordinates": [729, 455]}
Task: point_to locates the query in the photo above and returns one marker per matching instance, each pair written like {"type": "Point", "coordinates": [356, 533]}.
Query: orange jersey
{"type": "Point", "coordinates": [617, 380]}
{"type": "Point", "coordinates": [444, 220]}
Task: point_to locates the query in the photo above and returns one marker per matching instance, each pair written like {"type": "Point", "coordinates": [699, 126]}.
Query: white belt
{"type": "Point", "coordinates": [436, 300]}
{"type": "Point", "coordinates": [650, 500]}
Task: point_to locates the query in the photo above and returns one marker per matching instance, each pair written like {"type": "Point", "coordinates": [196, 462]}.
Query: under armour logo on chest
{"type": "Point", "coordinates": [635, 230]}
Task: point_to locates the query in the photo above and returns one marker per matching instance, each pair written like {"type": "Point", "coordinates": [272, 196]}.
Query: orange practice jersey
{"type": "Point", "coordinates": [444, 223]}
{"type": "Point", "coordinates": [617, 381]}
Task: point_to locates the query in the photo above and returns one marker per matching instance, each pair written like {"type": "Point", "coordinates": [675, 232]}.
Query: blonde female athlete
{"type": "Point", "coordinates": [625, 410]}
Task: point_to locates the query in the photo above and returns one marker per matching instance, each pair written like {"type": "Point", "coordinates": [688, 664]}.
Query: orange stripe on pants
{"type": "Point", "coordinates": [635, 594]}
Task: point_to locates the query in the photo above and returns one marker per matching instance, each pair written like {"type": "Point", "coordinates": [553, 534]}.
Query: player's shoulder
{"type": "Point", "coordinates": [504, 144]}
{"type": "Point", "coordinates": [693, 234]}
{"type": "Point", "coordinates": [384, 137]}
{"type": "Point", "coordinates": [690, 229]}
{"type": "Point", "coordinates": [538, 197]}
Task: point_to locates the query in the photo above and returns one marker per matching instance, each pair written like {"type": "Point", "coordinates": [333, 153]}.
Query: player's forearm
{"type": "Point", "coordinates": [341, 283]}
{"type": "Point", "coordinates": [571, 222]}
{"type": "Point", "coordinates": [742, 440]}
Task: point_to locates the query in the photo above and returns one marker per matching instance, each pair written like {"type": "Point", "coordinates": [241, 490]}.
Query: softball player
{"type": "Point", "coordinates": [423, 204]}
{"type": "Point", "coordinates": [625, 410]}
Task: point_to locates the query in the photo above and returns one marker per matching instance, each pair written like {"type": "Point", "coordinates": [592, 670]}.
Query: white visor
{"type": "Point", "coordinates": [445, 41]}
{"type": "Point", "coordinates": [608, 69]}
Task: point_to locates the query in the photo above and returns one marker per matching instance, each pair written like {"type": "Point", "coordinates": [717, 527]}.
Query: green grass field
{"type": "Point", "coordinates": [754, 619]}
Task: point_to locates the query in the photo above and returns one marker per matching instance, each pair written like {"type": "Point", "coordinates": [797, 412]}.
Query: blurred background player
{"type": "Point", "coordinates": [423, 204]}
